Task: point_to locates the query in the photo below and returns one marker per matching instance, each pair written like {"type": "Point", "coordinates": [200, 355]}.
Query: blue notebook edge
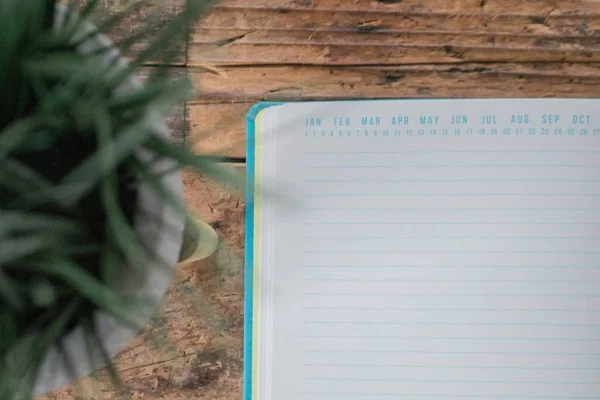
{"type": "Point", "coordinates": [249, 243]}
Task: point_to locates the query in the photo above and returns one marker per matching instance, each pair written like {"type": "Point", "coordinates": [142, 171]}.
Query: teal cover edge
{"type": "Point", "coordinates": [249, 242]}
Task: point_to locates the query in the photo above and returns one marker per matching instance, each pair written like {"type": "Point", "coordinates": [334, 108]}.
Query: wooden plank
{"type": "Point", "coordinates": [534, 7]}
{"type": "Point", "coordinates": [249, 84]}
{"type": "Point", "coordinates": [360, 22]}
{"type": "Point", "coordinates": [218, 128]}
{"type": "Point", "coordinates": [251, 33]}
{"type": "Point", "coordinates": [388, 47]}
{"type": "Point", "coordinates": [331, 54]}
{"type": "Point", "coordinates": [217, 113]}
{"type": "Point", "coordinates": [153, 13]}
{"type": "Point", "coordinates": [222, 37]}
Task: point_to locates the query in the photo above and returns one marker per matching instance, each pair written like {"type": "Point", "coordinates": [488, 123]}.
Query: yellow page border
{"type": "Point", "coordinates": [256, 245]}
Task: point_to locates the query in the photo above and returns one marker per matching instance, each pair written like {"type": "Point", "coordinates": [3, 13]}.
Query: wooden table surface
{"type": "Point", "coordinates": [250, 50]}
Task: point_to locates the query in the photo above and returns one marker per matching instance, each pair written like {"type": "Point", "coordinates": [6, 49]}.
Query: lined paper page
{"type": "Point", "coordinates": [443, 249]}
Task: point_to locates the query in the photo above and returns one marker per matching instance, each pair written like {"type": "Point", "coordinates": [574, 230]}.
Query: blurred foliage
{"type": "Point", "coordinates": [70, 170]}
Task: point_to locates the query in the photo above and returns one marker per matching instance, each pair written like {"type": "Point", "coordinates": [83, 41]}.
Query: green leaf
{"type": "Point", "coordinates": [153, 180]}
{"type": "Point", "coordinates": [76, 19]}
{"type": "Point", "coordinates": [43, 294]}
{"type": "Point", "coordinates": [9, 293]}
{"type": "Point", "coordinates": [90, 172]}
{"type": "Point", "coordinates": [16, 364]}
{"type": "Point", "coordinates": [20, 178]}
{"type": "Point", "coordinates": [60, 66]}
{"type": "Point", "coordinates": [177, 28]}
{"type": "Point", "coordinates": [121, 231]}
{"type": "Point", "coordinates": [69, 365]}
{"type": "Point", "coordinates": [147, 31]}
{"type": "Point", "coordinates": [132, 7]}
{"type": "Point", "coordinates": [158, 95]}
{"type": "Point", "coordinates": [24, 24]}
{"type": "Point", "coordinates": [113, 265]}
{"type": "Point", "coordinates": [18, 248]}
{"type": "Point", "coordinates": [12, 222]}
{"type": "Point", "coordinates": [104, 137]}
{"type": "Point", "coordinates": [202, 164]}
{"type": "Point", "coordinates": [17, 133]}
{"type": "Point", "coordinates": [72, 11]}
{"type": "Point", "coordinates": [177, 206]}
{"type": "Point", "coordinates": [52, 333]}
{"type": "Point", "coordinates": [88, 81]}
{"type": "Point", "coordinates": [119, 228]}
{"type": "Point", "coordinates": [89, 8]}
{"type": "Point", "coordinates": [48, 16]}
{"type": "Point", "coordinates": [95, 348]}
{"type": "Point", "coordinates": [104, 27]}
{"type": "Point", "coordinates": [92, 289]}
{"type": "Point", "coordinates": [8, 329]}
{"type": "Point", "coordinates": [64, 196]}
{"type": "Point", "coordinates": [21, 363]}
{"type": "Point", "coordinates": [125, 143]}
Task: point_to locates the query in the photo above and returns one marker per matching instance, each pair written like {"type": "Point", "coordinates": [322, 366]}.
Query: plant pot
{"type": "Point", "coordinates": [163, 233]}
{"type": "Point", "coordinates": [200, 241]}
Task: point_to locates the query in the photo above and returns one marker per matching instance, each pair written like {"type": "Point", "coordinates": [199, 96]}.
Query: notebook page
{"type": "Point", "coordinates": [443, 249]}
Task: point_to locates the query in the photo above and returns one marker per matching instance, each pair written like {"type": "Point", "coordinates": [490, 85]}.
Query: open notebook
{"type": "Point", "coordinates": [423, 250]}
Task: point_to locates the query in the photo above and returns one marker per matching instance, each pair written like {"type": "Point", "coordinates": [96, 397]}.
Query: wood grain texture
{"type": "Point", "coordinates": [394, 33]}
{"type": "Point", "coordinates": [536, 7]}
{"type": "Point", "coordinates": [217, 111]}
{"type": "Point", "coordinates": [153, 14]}
{"type": "Point", "coordinates": [218, 128]}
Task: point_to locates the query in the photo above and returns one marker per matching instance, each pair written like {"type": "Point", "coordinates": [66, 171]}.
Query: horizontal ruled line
{"type": "Point", "coordinates": [446, 352]}
{"type": "Point", "coordinates": [478, 396]}
{"type": "Point", "coordinates": [443, 180]}
{"type": "Point", "coordinates": [567, 324]}
{"type": "Point", "coordinates": [446, 280]}
{"type": "Point", "coordinates": [453, 366]}
{"type": "Point", "coordinates": [453, 294]}
{"type": "Point", "coordinates": [451, 251]}
{"type": "Point", "coordinates": [449, 309]}
{"type": "Point", "coordinates": [450, 381]}
{"type": "Point", "coordinates": [448, 151]}
{"type": "Point", "coordinates": [448, 194]}
{"type": "Point", "coordinates": [562, 196]}
{"type": "Point", "coordinates": [453, 166]}
{"type": "Point", "coordinates": [454, 209]}
{"type": "Point", "coordinates": [448, 223]}
{"type": "Point", "coordinates": [449, 266]}
{"type": "Point", "coordinates": [446, 338]}
{"type": "Point", "coordinates": [454, 237]}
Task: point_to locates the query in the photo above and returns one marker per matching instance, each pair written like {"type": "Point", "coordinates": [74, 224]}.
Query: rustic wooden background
{"type": "Point", "coordinates": [250, 50]}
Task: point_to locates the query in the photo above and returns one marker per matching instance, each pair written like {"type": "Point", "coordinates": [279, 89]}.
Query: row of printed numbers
{"type": "Point", "coordinates": [453, 132]}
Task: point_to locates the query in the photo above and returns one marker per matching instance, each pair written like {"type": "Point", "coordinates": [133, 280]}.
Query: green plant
{"type": "Point", "coordinates": [70, 174]}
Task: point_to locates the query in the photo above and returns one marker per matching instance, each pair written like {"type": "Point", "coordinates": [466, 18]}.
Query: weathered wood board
{"type": "Point", "coordinates": [369, 33]}
{"type": "Point", "coordinates": [217, 111]}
